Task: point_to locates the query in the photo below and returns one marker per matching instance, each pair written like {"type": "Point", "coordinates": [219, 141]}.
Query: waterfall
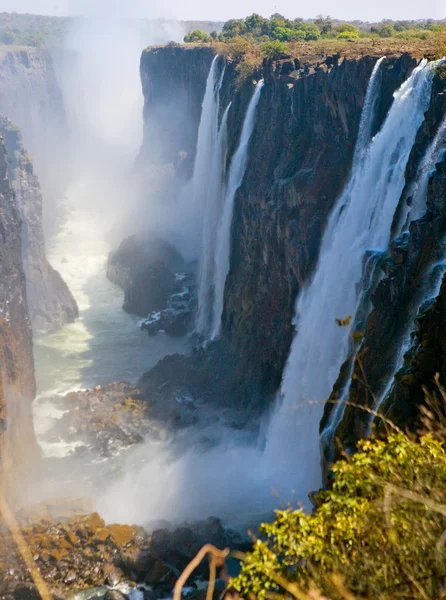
{"type": "Point", "coordinates": [418, 191]}
{"type": "Point", "coordinates": [360, 223]}
{"type": "Point", "coordinates": [206, 186]}
{"type": "Point", "coordinates": [435, 272]}
{"type": "Point", "coordinates": [235, 178]}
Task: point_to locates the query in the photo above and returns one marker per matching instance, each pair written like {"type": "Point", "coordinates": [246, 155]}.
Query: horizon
{"type": "Point", "coordinates": [347, 10]}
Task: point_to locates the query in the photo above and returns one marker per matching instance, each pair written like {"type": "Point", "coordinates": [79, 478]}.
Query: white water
{"type": "Point", "coordinates": [360, 222]}
{"type": "Point", "coordinates": [235, 178]}
{"type": "Point", "coordinates": [434, 276]}
{"type": "Point", "coordinates": [418, 192]}
{"type": "Point", "coordinates": [210, 196]}
{"type": "Point", "coordinates": [105, 344]}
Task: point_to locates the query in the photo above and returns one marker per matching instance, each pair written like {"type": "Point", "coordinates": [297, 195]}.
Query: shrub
{"type": "Point", "coordinates": [346, 27]}
{"type": "Point", "coordinates": [275, 50]}
{"type": "Point", "coordinates": [237, 47]}
{"type": "Point", "coordinates": [348, 35]}
{"type": "Point", "coordinates": [197, 36]}
{"type": "Point", "coordinates": [380, 528]}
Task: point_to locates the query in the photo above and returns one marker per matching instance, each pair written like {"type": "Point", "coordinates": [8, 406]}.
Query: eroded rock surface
{"type": "Point", "coordinates": [51, 304]}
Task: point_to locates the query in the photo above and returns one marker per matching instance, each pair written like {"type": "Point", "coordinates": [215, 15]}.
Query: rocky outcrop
{"type": "Point", "coordinates": [17, 383]}
{"type": "Point", "coordinates": [145, 270]}
{"type": "Point", "coordinates": [80, 552]}
{"type": "Point", "coordinates": [50, 302]}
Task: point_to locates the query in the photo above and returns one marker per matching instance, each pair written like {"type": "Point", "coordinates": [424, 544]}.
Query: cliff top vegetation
{"type": "Point", "coordinates": [254, 38]}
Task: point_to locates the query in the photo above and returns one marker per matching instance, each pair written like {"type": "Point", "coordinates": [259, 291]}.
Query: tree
{"type": "Point", "coordinates": [196, 36]}
{"type": "Point", "coordinates": [255, 24]}
{"type": "Point", "coordinates": [234, 28]}
{"type": "Point", "coordinates": [346, 27]}
{"type": "Point", "coordinates": [324, 23]}
{"type": "Point", "coordinates": [214, 35]}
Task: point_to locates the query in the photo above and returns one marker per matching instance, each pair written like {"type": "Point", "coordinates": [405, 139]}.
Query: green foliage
{"type": "Point", "coordinates": [348, 35]}
{"type": "Point", "coordinates": [378, 528]}
{"type": "Point", "coordinates": [238, 47]}
{"type": "Point", "coordinates": [275, 50]}
{"type": "Point", "coordinates": [196, 36]}
{"type": "Point", "coordinates": [346, 27]}
{"type": "Point", "coordinates": [234, 28]}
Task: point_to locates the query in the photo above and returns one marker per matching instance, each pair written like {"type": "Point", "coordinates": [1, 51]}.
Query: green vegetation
{"type": "Point", "coordinates": [197, 36]}
{"type": "Point", "coordinates": [257, 29]}
{"type": "Point", "coordinates": [379, 532]}
{"type": "Point", "coordinates": [278, 37]}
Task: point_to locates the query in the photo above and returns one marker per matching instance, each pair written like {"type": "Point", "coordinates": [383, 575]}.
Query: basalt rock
{"type": "Point", "coordinates": [173, 81]}
{"type": "Point", "coordinates": [17, 383]}
{"type": "Point", "coordinates": [106, 419]}
{"type": "Point", "coordinates": [300, 157]}
{"type": "Point", "coordinates": [145, 270]}
{"type": "Point", "coordinates": [50, 302]}
{"type": "Point", "coordinates": [82, 552]}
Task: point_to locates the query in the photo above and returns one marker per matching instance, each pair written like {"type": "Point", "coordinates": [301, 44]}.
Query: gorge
{"type": "Point", "coordinates": [279, 231]}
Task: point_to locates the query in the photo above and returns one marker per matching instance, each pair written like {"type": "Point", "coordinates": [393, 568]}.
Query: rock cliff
{"type": "Point", "coordinates": [31, 97]}
{"type": "Point", "coordinates": [299, 159]}
{"type": "Point", "coordinates": [50, 302]}
{"type": "Point", "coordinates": [17, 384]}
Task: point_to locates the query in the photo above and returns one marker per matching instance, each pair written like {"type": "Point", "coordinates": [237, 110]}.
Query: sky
{"type": "Point", "coordinates": [210, 10]}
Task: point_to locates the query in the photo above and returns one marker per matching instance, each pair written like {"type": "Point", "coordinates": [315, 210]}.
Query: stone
{"type": "Point", "coordinates": [115, 595]}
{"type": "Point", "coordinates": [121, 535]}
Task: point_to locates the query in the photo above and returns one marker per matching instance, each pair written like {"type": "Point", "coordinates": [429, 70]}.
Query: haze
{"type": "Point", "coordinates": [198, 9]}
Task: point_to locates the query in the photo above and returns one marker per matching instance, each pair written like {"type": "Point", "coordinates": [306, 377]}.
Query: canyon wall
{"type": "Point", "coordinates": [50, 302]}
{"type": "Point", "coordinates": [17, 383]}
{"type": "Point", "coordinates": [31, 97]}
{"type": "Point", "coordinates": [299, 160]}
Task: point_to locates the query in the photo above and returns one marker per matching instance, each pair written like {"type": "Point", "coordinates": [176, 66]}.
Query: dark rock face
{"type": "Point", "coordinates": [50, 302]}
{"type": "Point", "coordinates": [146, 273]}
{"type": "Point", "coordinates": [17, 384]}
{"type": "Point", "coordinates": [299, 160]}
{"type": "Point", "coordinates": [173, 81]}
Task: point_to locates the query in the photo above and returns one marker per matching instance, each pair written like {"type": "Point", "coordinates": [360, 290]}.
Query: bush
{"type": "Point", "coordinates": [237, 47]}
{"type": "Point", "coordinates": [275, 50]}
{"type": "Point", "coordinates": [380, 529]}
{"type": "Point", "coordinates": [348, 35]}
{"type": "Point", "coordinates": [346, 27]}
{"type": "Point", "coordinates": [196, 36]}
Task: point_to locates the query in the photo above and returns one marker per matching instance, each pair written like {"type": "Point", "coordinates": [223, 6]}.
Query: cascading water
{"type": "Point", "coordinates": [205, 187]}
{"type": "Point", "coordinates": [235, 178]}
{"type": "Point", "coordinates": [212, 216]}
{"type": "Point", "coordinates": [418, 192]}
{"type": "Point", "coordinates": [360, 222]}
{"type": "Point", "coordinates": [435, 272]}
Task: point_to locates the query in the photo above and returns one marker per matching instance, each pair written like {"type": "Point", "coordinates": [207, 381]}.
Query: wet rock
{"type": "Point", "coordinates": [145, 270]}
{"type": "Point", "coordinates": [115, 595]}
